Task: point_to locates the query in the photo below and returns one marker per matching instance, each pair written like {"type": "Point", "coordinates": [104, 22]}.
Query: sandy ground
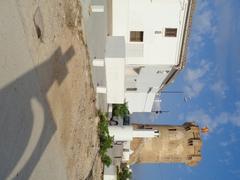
{"type": "Point", "coordinates": [73, 102]}
{"type": "Point", "coordinates": [54, 38]}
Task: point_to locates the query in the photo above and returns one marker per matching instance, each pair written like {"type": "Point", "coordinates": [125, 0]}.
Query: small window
{"type": "Point", "coordinates": [190, 141]}
{"type": "Point", "coordinates": [147, 127]}
{"type": "Point", "coordinates": [187, 128]}
{"type": "Point", "coordinates": [157, 32]}
{"type": "Point", "coordinates": [137, 69]}
{"type": "Point", "coordinates": [149, 90]}
{"type": "Point", "coordinates": [172, 129]}
{"type": "Point", "coordinates": [131, 89]}
{"type": "Point", "coordinates": [171, 32]}
{"type": "Point", "coordinates": [117, 157]}
{"type": "Point", "coordinates": [136, 36]}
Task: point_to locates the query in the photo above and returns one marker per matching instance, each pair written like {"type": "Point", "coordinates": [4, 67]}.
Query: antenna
{"type": "Point", "coordinates": [160, 112]}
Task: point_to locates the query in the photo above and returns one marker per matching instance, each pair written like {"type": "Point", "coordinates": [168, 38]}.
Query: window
{"type": "Point", "coordinates": [137, 69]}
{"type": "Point", "coordinates": [171, 32]}
{"type": "Point", "coordinates": [157, 32]}
{"type": "Point", "coordinates": [187, 128]}
{"type": "Point", "coordinates": [136, 36]}
{"type": "Point", "coordinates": [131, 89]}
{"type": "Point", "coordinates": [149, 90]}
{"type": "Point", "coordinates": [190, 142]}
{"type": "Point", "coordinates": [172, 129]}
{"type": "Point", "coordinates": [147, 127]}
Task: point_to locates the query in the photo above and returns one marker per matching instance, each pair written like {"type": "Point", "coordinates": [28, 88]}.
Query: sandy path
{"type": "Point", "coordinates": [54, 38]}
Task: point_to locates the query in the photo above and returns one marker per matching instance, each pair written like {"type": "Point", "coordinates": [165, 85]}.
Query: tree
{"type": "Point", "coordinates": [120, 110]}
{"type": "Point", "coordinates": [125, 174]}
{"type": "Point", "coordinates": [106, 140]}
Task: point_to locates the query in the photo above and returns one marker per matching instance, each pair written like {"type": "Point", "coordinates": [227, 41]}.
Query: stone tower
{"type": "Point", "coordinates": [175, 144]}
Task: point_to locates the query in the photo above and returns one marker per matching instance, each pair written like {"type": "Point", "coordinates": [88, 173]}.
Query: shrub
{"type": "Point", "coordinates": [124, 174]}
{"type": "Point", "coordinates": [120, 110]}
{"type": "Point", "coordinates": [106, 160]}
{"type": "Point", "coordinates": [106, 140]}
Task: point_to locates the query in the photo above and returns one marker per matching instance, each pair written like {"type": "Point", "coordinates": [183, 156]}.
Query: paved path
{"type": "Point", "coordinates": [95, 26]}
{"type": "Point", "coordinates": [29, 148]}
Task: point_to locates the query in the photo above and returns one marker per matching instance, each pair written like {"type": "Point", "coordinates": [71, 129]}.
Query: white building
{"type": "Point", "coordinates": [145, 49]}
{"type": "Point", "coordinates": [125, 135]}
{"type": "Point", "coordinates": [110, 173]}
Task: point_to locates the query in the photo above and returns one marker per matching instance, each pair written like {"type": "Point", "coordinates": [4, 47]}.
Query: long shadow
{"type": "Point", "coordinates": [16, 114]}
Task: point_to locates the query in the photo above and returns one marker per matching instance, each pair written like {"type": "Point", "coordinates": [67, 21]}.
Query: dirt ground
{"type": "Point", "coordinates": [54, 30]}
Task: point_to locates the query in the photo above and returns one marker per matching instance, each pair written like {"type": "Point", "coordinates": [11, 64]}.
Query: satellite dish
{"type": "Point", "coordinates": [187, 98]}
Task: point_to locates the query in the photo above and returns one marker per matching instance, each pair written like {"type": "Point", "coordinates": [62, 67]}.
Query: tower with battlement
{"type": "Point", "coordinates": [175, 144]}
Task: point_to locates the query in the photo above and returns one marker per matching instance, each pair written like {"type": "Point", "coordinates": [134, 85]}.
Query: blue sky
{"type": "Point", "coordinates": [211, 86]}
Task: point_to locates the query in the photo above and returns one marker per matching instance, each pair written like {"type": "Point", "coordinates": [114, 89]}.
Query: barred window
{"type": "Point", "coordinates": [136, 36]}
{"type": "Point", "coordinates": [171, 32]}
{"type": "Point", "coordinates": [131, 89]}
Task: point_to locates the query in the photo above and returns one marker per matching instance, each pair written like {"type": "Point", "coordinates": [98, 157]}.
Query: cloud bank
{"type": "Point", "coordinates": [194, 79]}
{"type": "Point", "coordinates": [213, 122]}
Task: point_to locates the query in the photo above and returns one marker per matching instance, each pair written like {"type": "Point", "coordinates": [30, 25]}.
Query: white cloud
{"type": "Point", "coordinates": [237, 104]}
{"type": "Point", "coordinates": [194, 74]}
{"type": "Point", "coordinates": [215, 122]}
{"type": "Point", "coordinates": [193, 78]}
{"type": "Point", "coordinates": [227, 30]}
{"type": "Point", "coordinates": [202, 118]}
{"type": "Point", "coordinates": [226, 158]}
{"type": "Point", "coordinates": [194, 89]}
{"type": "Point", "coordinates": [219, 87]}
{"type": "Point", "coordinates": [203, 24]}
{"type": "Point", "coordinates": [219, 130]}
{"type": "Point", "coordinates": [232, 139]}
{"type": "Point", "coordinates": [226, 23]}
{"type": "Point", "coordinates": [224, 143]}
{"type": "Point", "coordinates": [236, 172]}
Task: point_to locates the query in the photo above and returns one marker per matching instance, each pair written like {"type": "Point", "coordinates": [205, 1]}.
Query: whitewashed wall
{"type": "Point", "coordinates": [156, 52]}
{"type": "Point", "coordinates": [150, 16]}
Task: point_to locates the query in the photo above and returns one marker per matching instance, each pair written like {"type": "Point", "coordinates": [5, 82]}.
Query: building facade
{"type": "Point", "coordinates": [145, 49]}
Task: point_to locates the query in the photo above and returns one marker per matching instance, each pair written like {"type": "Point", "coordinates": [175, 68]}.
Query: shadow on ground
{"type": "Point", "coordinates": [17, 117]}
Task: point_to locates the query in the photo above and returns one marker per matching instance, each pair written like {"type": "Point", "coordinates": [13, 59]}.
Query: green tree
{"type": "Point", "coordinates": [120, 110]}
{"type": "Point", "coordinates": [106, 160]}
{"type": "Point", "coordinates": [125, 174]}
{"type": "Point", "coordinates": [106, 140]}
